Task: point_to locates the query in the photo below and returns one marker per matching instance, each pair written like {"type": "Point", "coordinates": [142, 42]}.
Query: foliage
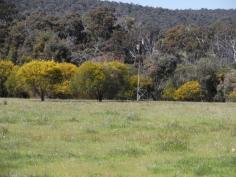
{"type": "Point", "coordinates": [100, 22]}
{"type": "Point", "coordinates": [116, 79]}
{"type": "Point", "coordinates": [206, 73]}
{"type": "Point", "coordinates": [90, 80]}
{"type": "Point", "coordinates": [232, 96]}
{"type": "Point", "coordinates": [6, 68]}
{"type": "Point", "coordinates": [102, 80]}
{"type": "Point", "coordinates": [48, 45]}
{"type": "Point", "coordinates": [184, 73]}
{"type": "Point", "coordinates": [38, 76]}
{"type": "Point", "coordinates": [177, 45]}
{"type": "Point", "coordinates": [230, 81]}
{"type": "Point", "coordinates": [162, 70]}
{"type": "Point", "coordinates": [7, 13]}
{"type": "Point", "coordinates": [63, 89]}
{"type": "Point", "coordinates": [190, 91]}
{"type": "Point", "coordinates": [193, 40]}
{"type": "Point", "coordinates": [169, 91]}
{"type": "Point", "coordinates": [14, 86]}
{"type": "Point", "coordinates": [145, 86]}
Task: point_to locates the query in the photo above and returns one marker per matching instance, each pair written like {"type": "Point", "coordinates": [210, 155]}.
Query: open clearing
{"type": "Point", "coordinates": [117, 139]}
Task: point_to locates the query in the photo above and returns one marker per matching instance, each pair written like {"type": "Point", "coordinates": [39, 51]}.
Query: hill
{"type": "Point", "coordinates": [158, 17]}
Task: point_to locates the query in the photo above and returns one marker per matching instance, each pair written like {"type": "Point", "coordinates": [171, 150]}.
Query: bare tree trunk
{"type": "Point", "coordinates": [233, 43]}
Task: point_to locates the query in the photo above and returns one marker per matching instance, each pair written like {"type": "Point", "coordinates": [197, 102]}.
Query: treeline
{"type": "Point", "coordinates": [199, 56]}
{"type": "Point", "coordinates": [106, 80]}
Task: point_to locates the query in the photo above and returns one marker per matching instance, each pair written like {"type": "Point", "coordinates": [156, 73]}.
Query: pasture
{"type": "Point", "coordinates": [116, 139]}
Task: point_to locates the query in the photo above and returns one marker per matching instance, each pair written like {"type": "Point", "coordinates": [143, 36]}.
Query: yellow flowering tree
{"type": "Point", "coordinates": [63, 89]}
{"type": "Point", "coordinates": [39, 76]}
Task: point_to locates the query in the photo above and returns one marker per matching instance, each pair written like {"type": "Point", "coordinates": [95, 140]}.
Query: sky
{"type": "Point", "coordinates": [185, 4]}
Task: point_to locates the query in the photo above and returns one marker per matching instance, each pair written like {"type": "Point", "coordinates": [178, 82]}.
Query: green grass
{"type": "Point", "coordinates": [115, 139]}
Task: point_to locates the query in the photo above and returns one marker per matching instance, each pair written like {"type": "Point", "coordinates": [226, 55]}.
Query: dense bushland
{"type": "Point", "coordinates": [97, 80]}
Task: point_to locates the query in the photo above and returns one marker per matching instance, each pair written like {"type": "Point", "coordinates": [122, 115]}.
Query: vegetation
{"type": "Point", "coordinates": [6, 67]}
{"type": "Point", "coordinates": [109, 80]}
{"type": "Point", "coordinates": [164, 46]}
{"type": "Point", "coordinates": [190, 91]}
{"type": "Point", "coordinates": [87, 139]}
{"type": "Point", "coordinates": [91, 49]}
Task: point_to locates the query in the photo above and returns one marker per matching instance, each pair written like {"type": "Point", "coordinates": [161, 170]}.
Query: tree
{"type": "Point", "coordinates": [62, 89]}
{"type": "Point", "coordinates": [49, 45]}
{"type": "Point", "coordinates": [100, 22]}
{"type": "Point", "coordinates": [7, 14]}
{"type": "Point", "coordinates": [116, 79]}
{"type": "Point", "coordinates": [206, 71]}
{"type": "Point", "coordinates": [71, 26]}
{"type": "Point", "coordinates": [6, 68]}
{"type": "Point", "coordinates": [14, 86]}
{"type": "Point", "coordinates": [90, 81]}
{"type": "Point", "coordinates": [39, 76]}
{"type": "Point", "coordinates": [101, 80]}
{"type": "Point", "coordinates": [163, 68]}
{"type": "Point", "coordinates": [194, 41]}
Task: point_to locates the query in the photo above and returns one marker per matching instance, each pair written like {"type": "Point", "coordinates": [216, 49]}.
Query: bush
{"type": "Point", "coordinates": [90, 81]}
{"type": "Point", "coordinates": [101, 80]}
{"type": "Point", "coordinates": [116, 79]}
{"type": "Point", "coordinates": [6, 68]}
{"type": "Point", "coordinates": [169, 92]}
{"type": "Point", "coordinates": [131, 90]}
{"type": "Point", "coordinates": [230, 81]}
{"type": "Point", "coordinates": [190, 91]}
{"type": "Point", "coordinates": [14, 86]}
{"type": "Point", "coordinates": [63, 89]}
{"type": "Point", "coordinates": [232, 96]}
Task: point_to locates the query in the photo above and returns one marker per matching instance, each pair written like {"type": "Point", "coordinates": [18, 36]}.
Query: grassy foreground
{"type": "Point", "coordinates": [112, 139]}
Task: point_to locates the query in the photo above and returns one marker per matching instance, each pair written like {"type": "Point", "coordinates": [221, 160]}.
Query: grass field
{"type": "Point", "coordinates": [112, 139]}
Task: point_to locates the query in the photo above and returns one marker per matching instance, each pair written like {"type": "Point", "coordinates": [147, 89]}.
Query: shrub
{"type": "Point", "coordinates": [131, 90]}
{"type": "Point", "coordinates": [90, 81]}
{"type": "Point", "coordinates": [232, 96]}
{"type": "Point", "coordinates": [63, 89]}
{"type": "Point", "coordinates": [116, 79]}
{"type": "Point", "coordinates": [190, 91]}
{"type": "Point", "coordinates": [101, 80]}
{"type": "Point", "coordinates": [6, 68]}
{"type": "Point", "coordinates": [14, 86]}
{"type": "Point", "coordinates": [230, 81]}
{"type": "Point", "coordinates": [169, 92]}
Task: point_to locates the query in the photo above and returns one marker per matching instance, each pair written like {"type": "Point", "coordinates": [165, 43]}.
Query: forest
{"type": "Point", "coordinates": [94, 49]}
